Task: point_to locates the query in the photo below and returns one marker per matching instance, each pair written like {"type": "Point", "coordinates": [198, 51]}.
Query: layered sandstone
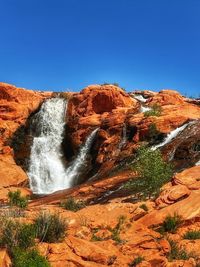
{"type": "Point", "coordinates": [16, 105]}
{"type": "Point", "coordinates": [89, 238]}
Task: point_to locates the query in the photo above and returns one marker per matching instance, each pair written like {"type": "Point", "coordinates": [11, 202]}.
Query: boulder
{"type": "Point", "coordinates": [189, 177]}
{"type": "Point", "coordinates": [187, 208]}
{"type": "Point", "coordinates": [167, 97]}
{"type": "Point", "coordinates": [10, 173]}
{"type": "Point", "coordinates": [172, 195]}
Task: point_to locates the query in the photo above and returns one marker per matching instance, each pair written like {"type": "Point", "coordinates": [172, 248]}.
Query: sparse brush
{"type": "Point", "coordinates": [170, 224]}
{"type": "Point", "coordinates": [72, 204]}
{"type": "Point", "coordinates": [178, 253]}
{"type": "Point", "coordinates": [28, 258]}
{"type": "Point", "coordinates": [50, 227]}
{"type": "Point", "coordinates": [96, 238]}
{"type": "Point", "coordinates": [144, 207]}
{"type": "Point", "coordinates": [15, 199]}
{"type": "Point", "coordinates": [156, 110]}
{"type": "Point", "coordinates": [192, 235]}
{"type": "Point", "coordinates": [15, 234]}
{"type": "Point", "coordinates": [136, 261]}
{"type": "Point", "coordinates": [117, 229]}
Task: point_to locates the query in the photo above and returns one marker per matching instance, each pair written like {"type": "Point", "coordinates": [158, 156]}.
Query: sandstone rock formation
{"type": "Point", "coordinates": [4, 259]}
{"type": "Point", "coordinates": [16, 105]}
{"type": "Point", "coordinates": [106, 107]}
{"type": "Point", "coordinates": [114, 229]}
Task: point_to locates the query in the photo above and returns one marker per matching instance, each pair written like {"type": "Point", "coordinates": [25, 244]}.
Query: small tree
{"type": "Point", "coordinates": [152, 172]}
{"type": "Point", "coordinates": [154, 135]}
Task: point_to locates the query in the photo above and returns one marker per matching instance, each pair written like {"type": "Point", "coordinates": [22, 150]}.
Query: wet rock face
{"type": "Point", "coordinates": [122, 125]}
{"type": "Point", "coordinates": [16, 105]}
{"type": "Point", "coordinates": [118, 116]}
{"type": "Point", "coordinates": [184, 150]}
{"type": "Point", "coordinates": [104, 107]}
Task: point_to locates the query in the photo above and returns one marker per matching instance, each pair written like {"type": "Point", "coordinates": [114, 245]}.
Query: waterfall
{"type": "Point", "coordinates": [171, 136]}
{"type": "Point", "coordinates": [124, 137]}
{"type": "Point", "coordinates": [140, 98]}
{"type": "Point", "coordinates": [197, 163]}
{"type": "Point", "coordinates": [144, 109]}
{"type": "Point", "coordinates": [74, 170]}
{"type": "Point", "coordinates": [47, 169]}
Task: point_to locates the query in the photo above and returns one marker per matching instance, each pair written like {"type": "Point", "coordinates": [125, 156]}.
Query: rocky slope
{"type": "Point", "coordinates": [113, 229]}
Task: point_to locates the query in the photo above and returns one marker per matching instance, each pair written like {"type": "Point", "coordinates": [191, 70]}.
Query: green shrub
{"type": "Point", "coordinates": [144, 207]}
{"type": "Point", "coordinates": [18, 238]}
{"type": "Point", "coordinates": [96, 238]}
{"type": "Point", "coordinates": [72, 204]}
{"type": "Point", "coordinates": [15, 199]}
{"type": "Point", "coordinates": [152, 172]}
{"type": "Point", "coordinates": [136, 261]}
{"type": "Point", "coordinates": [192, 235]}
{"type": "Point", "coordinates": [15, 234]}
{"type": "Point", "coordinates": [50, 227]}
{"type": "Point", "coordinates": [155, 111]}
{"type": "Point", "coordinates": [154, 135]}
{"type": "Point", "coordinates": [117, 229]}
{"type": "Point", "coordinates": [170, 224]}
{"type": "Point", "coordinates": [29, 258]}
{"type": "Point", "coordinates": [177, 253]}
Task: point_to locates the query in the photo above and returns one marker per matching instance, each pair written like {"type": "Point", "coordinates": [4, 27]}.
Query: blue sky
{"type": "Point", "coordinates": [68, 44]}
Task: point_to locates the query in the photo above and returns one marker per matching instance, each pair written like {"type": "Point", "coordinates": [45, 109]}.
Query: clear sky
{"type": "Point", "coordinates": [68, 44]}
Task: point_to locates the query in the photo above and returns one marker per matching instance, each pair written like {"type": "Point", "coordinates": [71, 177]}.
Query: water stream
{"type": "Point", "coordinates": [171, 136]}
{"type": "Point", "coordinates": [47, 167]}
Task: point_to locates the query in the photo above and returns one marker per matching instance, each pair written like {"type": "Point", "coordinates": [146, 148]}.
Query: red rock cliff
{"type": "Point", "coordinates": [16, 105]}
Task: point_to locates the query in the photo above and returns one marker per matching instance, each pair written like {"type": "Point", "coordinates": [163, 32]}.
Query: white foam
{"type": "Point", "coordinates": [170, 136]}
{"type": "Point", "coordinates": [140, 98]}
{"type": "Point", "coordinates": [47, 169]}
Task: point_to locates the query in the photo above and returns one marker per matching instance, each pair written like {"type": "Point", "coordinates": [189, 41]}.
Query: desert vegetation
{"type": "Point", "coordinates": [19, 240]}
{"type": "Point", "coordinates": [72, 204]}
{"type": "Point", "coordinates": [15, 199]}
{"type": "Point", "coordinates": [152, 172]}
{"type": "Point", "coordinates": [50, 228]}
{"type": "Point", "coordinates": [156, 110]}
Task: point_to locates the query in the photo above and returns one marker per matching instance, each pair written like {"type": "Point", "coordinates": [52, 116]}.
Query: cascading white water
{"type": "Point", "coordinates": [124, 137]}
{"type": "Point", "coordinates": [171, 136]}
{"type": "Point", "coordinates": [140, 98]}
{"type": "Point", "coordinates": [46, 169]}
{"type": "Point", "coordinates": [144, 109]}
{"type": "Point", "coordinates": [74, 170]}
{"type": "Point", "coordinates": [197, 163]}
